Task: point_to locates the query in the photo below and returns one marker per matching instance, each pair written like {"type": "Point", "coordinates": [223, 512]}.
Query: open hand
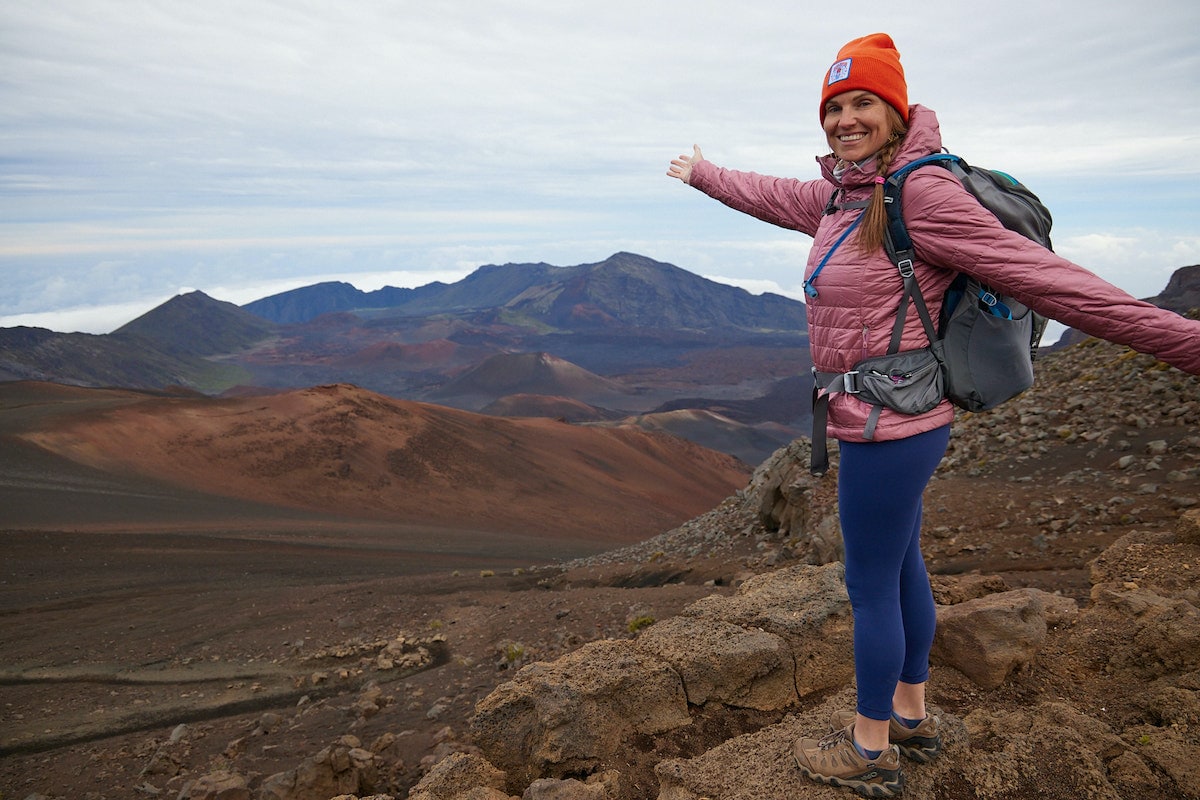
{"type": "Point", "coordinates": [681, 167]}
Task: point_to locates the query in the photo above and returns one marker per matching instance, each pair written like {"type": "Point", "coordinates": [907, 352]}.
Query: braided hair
{"type": "Point", "coordinates": [873, 229]}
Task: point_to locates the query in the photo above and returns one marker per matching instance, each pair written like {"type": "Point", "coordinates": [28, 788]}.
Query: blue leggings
{"type": "Point", "coordinates": [879, 499]}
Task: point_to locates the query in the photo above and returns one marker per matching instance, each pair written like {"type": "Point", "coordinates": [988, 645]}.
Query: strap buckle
{"type": "Point", "coordinates": [847, 382]}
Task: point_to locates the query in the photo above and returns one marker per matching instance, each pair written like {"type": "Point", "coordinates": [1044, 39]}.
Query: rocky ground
{"type": "Point", "coordinates": [354, 682]}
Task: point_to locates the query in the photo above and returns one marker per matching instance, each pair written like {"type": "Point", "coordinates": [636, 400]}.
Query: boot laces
{"type": "Point", "coordinates": [832, 740]}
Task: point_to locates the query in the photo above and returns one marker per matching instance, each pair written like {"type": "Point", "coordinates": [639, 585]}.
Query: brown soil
{"type": "Point", "coordinates": [114, 635]}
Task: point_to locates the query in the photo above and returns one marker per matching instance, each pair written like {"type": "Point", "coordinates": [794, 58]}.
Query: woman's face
{"type": "Point", "coordinates": [856, 124]}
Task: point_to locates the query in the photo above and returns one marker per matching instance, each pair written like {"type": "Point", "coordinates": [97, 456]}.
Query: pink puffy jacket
{"type": "Point", "coordinates": [858, 295]}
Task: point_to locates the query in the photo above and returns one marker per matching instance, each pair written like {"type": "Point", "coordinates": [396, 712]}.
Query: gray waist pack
{"type": "Point", "coordinates": [911, 382]}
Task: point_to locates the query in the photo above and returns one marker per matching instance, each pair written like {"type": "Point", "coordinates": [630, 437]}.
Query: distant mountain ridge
{"type": "Point", "coordinates": [309, 302]}
{"type": "Point", "coordinates": [196, 324]}
{"type": "Point", "coordinates": [600, 341]}
{"type": "Point", "coordinates": [1182, 292]}
{"type": "Point", "coordinates": [625, 338]}
{"type": "Point", "coordinates": [530, 373]}
{"type": "Point", "coordinates": [625, 290]}
{"type": "Point", "coordinates": [167, 347]}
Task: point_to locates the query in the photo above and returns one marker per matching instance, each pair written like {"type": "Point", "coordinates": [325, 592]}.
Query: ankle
{"type": "Point", "coordinates": [870, 736]}
{"type": "Point", "coordinates": [909, 722]}
{"type": "Point", "coordinates": [865, 752]}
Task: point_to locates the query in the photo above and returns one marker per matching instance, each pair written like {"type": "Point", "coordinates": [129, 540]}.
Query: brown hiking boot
{"type": "Point", "coordinates": [836, 761]}
{"type": "Point", "coordinates": [922, 743]}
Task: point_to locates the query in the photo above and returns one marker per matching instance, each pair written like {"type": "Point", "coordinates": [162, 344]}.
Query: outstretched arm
{"type": "Point", "coordinates": [786, 202]}
{"type": "Point", "coordinates": [950, 228]}
{"type": "Point", "coordinates": [681, 167]}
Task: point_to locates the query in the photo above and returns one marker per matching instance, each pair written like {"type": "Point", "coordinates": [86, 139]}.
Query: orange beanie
{"type": "Point", "coordinates": [871, 63]}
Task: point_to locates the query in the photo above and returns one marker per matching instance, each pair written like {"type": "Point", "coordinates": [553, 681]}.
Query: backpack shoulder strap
{"type": "Point", "coordinates": [897, 232]}
{"type": "Point", "coordinates": [899, 247]}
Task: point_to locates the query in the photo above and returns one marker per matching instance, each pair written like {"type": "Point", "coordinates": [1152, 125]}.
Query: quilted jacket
{"type": "Point", "coordinates": [858, 294]}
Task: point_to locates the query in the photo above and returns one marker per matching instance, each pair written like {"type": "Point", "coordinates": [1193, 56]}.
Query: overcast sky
{"type": "Point", "coordinates": [247, 147]}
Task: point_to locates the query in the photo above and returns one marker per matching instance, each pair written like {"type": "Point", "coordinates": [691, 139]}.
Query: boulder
{"type": "Point", "coordinates": [1165, 636]}
{"type": "Point", "coordinates": [723, 663]}
{"type": "Point", "coordinates": [218, 785]}
{"type": "Point", "coordinates": [570, 789]}
{"type": "Point", "coordinates": [461, 776]}
{"type": "Point", "coordinates": [1172, 751]}
{"type": "Point", "coordinates": [787, 500]}
{"type": "Point", "coordinates": [1049, 746]}
{"type": "Point", "coordinates": [805, 606]}
{"type": "Point", "coordinates": [342, 768]}
{"type": "Point", "coordinates": [782, 636]}
{"type": "Point", "coordinates": [571, 716]}
{"type": "Point", "coordinates": [988, 637]}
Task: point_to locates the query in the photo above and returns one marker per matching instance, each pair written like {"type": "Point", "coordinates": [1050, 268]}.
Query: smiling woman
{"type": "Point", "coordinates": [857, 320]}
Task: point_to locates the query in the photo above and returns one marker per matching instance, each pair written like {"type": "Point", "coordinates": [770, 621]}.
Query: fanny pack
{"type": "Point", "coordinates": [911, 382]}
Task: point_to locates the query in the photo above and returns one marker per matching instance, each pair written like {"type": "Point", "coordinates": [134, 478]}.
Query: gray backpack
{"type": "Point", "coordinates": [980, 354]}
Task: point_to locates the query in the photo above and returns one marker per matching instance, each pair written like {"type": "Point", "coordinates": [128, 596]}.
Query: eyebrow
{"type": "Point", "coordinates": [855, 94]}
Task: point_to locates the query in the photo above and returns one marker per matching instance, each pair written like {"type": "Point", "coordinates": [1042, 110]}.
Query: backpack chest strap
{"type": "Point", "coordinates": [833, 204]}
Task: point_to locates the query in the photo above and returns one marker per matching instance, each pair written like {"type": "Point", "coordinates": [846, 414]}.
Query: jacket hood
{"type": "Point", "coordinates": [924, 137]}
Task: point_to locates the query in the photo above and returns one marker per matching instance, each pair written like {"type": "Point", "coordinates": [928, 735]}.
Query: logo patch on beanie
{"type": "Point", "coordinates": [840, 71]}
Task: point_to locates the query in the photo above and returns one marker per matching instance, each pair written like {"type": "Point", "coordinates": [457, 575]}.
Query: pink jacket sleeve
{"type": "Point", "coordinates": [786, 202]}
{"type": "Point", "coordinates": [949, 228]}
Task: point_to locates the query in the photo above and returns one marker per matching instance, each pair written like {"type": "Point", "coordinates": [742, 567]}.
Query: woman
{"type": "Point", "coordinates": [873, 131]}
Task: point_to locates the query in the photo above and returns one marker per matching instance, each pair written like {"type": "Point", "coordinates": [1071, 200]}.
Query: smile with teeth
{"type": "Point", "coordinates": [851, 137]}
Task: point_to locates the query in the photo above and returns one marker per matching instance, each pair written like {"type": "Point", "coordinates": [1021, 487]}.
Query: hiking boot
{"type": "Point", "coordinates": [836, 761]}
{"type": "Point", "coordinates": [922, 743]}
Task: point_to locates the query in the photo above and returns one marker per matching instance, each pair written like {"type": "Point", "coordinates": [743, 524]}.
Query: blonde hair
{"type": "Point", "coordinates": [873, 228]}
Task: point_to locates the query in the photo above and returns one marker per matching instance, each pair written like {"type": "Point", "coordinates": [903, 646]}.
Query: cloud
{"type": "Point", "coordinates": [105, 318]}
{"type": "Point", "coordinates": [225, 143]}
{"type": "Point", "coordinates": [84, 319]}
{"type": "Point", "coordinates": [1140, 261]}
